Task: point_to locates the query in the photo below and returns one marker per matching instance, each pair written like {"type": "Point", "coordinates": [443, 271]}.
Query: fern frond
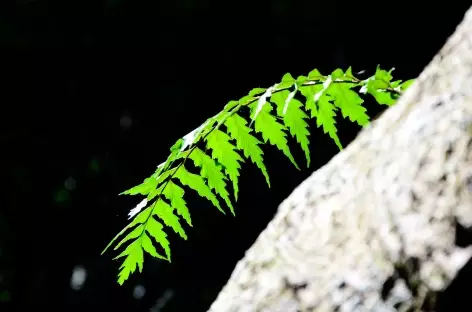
{"type": "Point", "coordinates": [324, 95]}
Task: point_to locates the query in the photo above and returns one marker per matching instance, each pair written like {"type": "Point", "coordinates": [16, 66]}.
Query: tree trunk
{"type": "Point", "coordinates": [375, 228]}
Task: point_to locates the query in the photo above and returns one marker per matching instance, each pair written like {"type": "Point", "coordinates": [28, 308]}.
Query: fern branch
{"type": "Point", "coordinates": [324, 95]}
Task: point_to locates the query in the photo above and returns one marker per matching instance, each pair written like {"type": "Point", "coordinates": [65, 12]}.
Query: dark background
{"type": "Point", "coordinates": [93, 93]}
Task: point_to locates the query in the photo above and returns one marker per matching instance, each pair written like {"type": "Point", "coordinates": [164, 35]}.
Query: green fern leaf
{"type": "Point", "coordinates": [213, 175]}
{"type": "Point", "coordinates": [381, 95]}
{"type": "Point", "coordinates": [175, 194]}
{"type": "Point", "coordinates": [348, 74]}
{"type": "Point", "coordinates": [134, 258]}
{"type": "Point", "coordinates": [191, 137]}
{"type": "Point", "coordinates": [381, 74]}
{"type": "Point", "coordinates": [406, 84]}
{"type": "Point", "coordinates": [175, 153]}
{"type": "Point", "coordinates": [245, 142]}
{"type": "Point", "coordinates": [197, 183]}
{"type": "Point", "coordinates": [261, 102]}
{"type": "Point", "coordinates": [257, 91]}
{"type": "Point", "coordinates": [315, 75]}
{"type": "Point", "coordinates": [377, 86]}
{"type": "Point", "coordinates": [148, 247]}
{"type": "Point", "coordinates": [287, 82]}
{"type": "Point", "coordinates": [326, 119]}
{"type": "Point", "coordinates": [395, 84]}
{"type": "Point", "coordinates": [162, 182]}
{"type": "Point", "coordinates": [272, 131]}
{"type": "Point", "coordinates": [246, 100]}
{"type": "Point", "coordinates": [294, 118]}
{"type": "Point", "coordinates": [288, 100]}
{"type": "Point", "coordinates": [140, 218]}
{"type": "Point", "coordinates": [318, 102]}
{"type": "Point", "coordinates": [225, 153]}
{"type": "Point", "coordinates": [155, 192]}
{"type": "Point", "coordinates": [161, 173]}
{"type": "Point", "coordinates": [176, 148]}
{"type": "Point", "coordinates": [230, 105]}
{"type": "Point", "coordinates": [134, 251]}
{"type": "Point", "coordinates": [347, 100]}
{"type": "Point", "coordinates": [209, 125]}
{"type": "Point", "coordinates": [143, 189]}
{"type": "Point", "coordinates": [309, 92]}
{"type": "Point", "coordinates": [165, 213]}
{"type": "Point", "coordinates": [195, 135]}
{"type": "Point", "coordinates": [136, 232]}
{"type": "Point", "coordinates": [155, 229]}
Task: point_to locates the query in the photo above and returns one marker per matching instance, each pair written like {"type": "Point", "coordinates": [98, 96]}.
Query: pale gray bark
{"type": "Point", "coordinates": [374, 229]}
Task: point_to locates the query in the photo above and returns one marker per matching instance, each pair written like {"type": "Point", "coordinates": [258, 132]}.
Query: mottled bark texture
{"type": "Point", "coordinates": [375, 228]}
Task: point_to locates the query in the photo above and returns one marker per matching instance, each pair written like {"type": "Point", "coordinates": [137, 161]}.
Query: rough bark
{"type": "Point", "coordinates": [375, 228]}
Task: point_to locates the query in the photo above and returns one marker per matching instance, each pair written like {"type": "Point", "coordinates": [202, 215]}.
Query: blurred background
{"type": "Point", "coordinates": [93, 94]}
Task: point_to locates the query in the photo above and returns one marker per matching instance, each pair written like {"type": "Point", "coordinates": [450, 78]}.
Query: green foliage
{"type": "Point", "coordinates": [219, 146]}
